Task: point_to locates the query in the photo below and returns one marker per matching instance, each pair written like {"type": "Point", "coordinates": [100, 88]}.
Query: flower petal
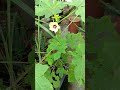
{"type": "Point", "coordinates": [52, 26]}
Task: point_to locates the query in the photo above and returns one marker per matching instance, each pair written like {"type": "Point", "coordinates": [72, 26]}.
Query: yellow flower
{"type": "Point", "coordinates": [53, 26]}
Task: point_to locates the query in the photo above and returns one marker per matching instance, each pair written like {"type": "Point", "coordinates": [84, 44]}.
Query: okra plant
{"type": "Point", "coordinates": [65, 54]}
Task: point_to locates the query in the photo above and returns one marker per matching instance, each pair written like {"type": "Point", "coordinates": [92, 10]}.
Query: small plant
{"type": "Point", "coordinates": [65, 54]}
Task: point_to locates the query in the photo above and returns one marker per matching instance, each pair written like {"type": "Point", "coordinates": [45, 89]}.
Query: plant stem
{"type": "Point", "coordinates": [41, 21]}
{"type": "Point", "coordinates": [21, 77]}
{"type": "Point", "coordinates": [70, 23]}
{"type": "Point", "coordinates": [39, 41]}
{"type": "Point", "coordinates": [45, 56]}
{"type": "Point", "coordinates": [67, 15]}
{"type": "Point", "coordinates": [9, 46]}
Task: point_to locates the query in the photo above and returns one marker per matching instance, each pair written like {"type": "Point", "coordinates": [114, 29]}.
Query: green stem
{"type": "Point", "coordinates": [70, 23]}
{"type": "Point", "coordinates": [40, 21]}
{"type": "Point", "coordinates": [39, 41]}
{"type": "Point", "coordinates": [9, 46]}
{"type": "Point", "coordinates": [68, 15]}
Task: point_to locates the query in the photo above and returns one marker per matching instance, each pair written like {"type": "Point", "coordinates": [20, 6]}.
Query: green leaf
{"type": "Point", "coordinates": [71, 75]}
{"type": "Point", "coordinates": [37, 2]}
{"type": "Point", "coordinates": [74, 39]}
{"type": "Point", "coordinates": [81, 12]}
{"type": "Point", "coordinates": [39, 77]}
{"type": "Point", "coordinates": [48, 8]}
{"type": "Point", "coordinates": [50, 60]}
{"type": "Point", "coordinates": [51, 76]}
{"type": "Point", "coordinates": [80, 8]}
{"type": "Point", "coordinates": [42, 84]}
{"type": "Point", "coordinates": [61, 71]}
{"type": "Point", "coordinates": [57, 55]}
{"type": "Point", "coordinates": [76, 50]}
{"type": "Point", "coordinates": [74, 44]}
{"type": "Point", "coordinates": [40, 69]}
{"type": "Point", "coordinates": [56, 82]}
{"type": "Point", "coordinates": [80, 72]}
{"type": "Point", "coordinates": [95, 34]}
{"type": "Point", "coordinates": [57, 44]}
